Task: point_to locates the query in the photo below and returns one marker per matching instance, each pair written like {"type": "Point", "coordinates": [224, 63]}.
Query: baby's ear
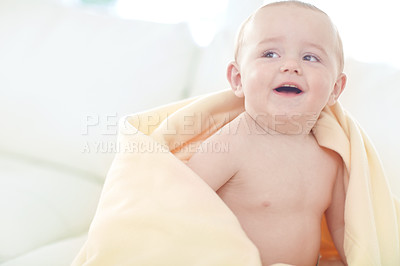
{"type": "Point", "coordinates": [235, 79]}
{"type": "Point", "coordinates": [337, 89]}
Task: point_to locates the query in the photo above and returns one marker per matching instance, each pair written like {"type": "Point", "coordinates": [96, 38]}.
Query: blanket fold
{"type": "Point", "coordinates": [154, 210]}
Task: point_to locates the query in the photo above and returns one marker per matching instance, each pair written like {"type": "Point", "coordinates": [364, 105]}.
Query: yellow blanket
{"type": "Point", "coordinates": [155, 211]}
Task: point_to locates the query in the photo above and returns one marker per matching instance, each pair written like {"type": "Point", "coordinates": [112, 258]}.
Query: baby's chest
{"type": "Point", "coordinates": [288, 185]}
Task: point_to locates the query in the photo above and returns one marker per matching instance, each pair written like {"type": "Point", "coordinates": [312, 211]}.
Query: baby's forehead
{"type": "Point", "coordinates": [276, 13]}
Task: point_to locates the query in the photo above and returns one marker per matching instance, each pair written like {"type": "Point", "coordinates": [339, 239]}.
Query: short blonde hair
{"type": "Point", "coordinates": [242, 29]}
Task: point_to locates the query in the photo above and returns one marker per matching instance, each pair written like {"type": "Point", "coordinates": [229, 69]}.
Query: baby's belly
{"type": "Point", "coordinates": [284, 238]}
{"type": "Point", "coordinates": [282, 233]}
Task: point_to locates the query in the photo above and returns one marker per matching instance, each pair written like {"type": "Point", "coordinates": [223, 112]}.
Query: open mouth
{"type": "Point", "coordinates": [288, 89]}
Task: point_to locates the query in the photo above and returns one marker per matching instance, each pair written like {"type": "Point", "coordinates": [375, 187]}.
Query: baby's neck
{"type": "Point", "coordinates": [292, 126]}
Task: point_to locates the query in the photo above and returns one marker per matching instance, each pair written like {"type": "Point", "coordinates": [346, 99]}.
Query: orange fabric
{"type": "Point", "coordinates": [327, 250]}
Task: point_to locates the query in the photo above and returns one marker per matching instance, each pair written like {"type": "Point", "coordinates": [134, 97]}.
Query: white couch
{"type": "Point", "coordinates": [67, 76]}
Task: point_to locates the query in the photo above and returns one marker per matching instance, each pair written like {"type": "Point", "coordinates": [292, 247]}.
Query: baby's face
{"type": "Point", "coordinates": [288, 62]}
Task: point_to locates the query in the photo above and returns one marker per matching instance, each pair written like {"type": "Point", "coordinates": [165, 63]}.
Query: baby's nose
{"type": "Point", "coordinates": [291, 67]}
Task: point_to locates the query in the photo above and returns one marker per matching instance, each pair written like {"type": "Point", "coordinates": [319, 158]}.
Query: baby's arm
{"type": "Point", "coordinates": [213, 161]}
{"type": "Point", "coordinates": [335, 213]}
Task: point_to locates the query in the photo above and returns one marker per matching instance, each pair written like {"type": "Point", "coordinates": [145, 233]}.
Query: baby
{"type": "Point", "coordinates": [275, 177]}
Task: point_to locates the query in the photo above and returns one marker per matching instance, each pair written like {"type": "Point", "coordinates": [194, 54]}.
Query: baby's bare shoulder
{"type": "Point", "coordinates": [329, 164]}
{"type": "Point", "coordinates": [331, 157]}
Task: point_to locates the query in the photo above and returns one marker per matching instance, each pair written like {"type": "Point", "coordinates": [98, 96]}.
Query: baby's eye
{"type": "Point", "coordinates": [311, 58]}
{"type": "Point", "coordinates": [269, 54]}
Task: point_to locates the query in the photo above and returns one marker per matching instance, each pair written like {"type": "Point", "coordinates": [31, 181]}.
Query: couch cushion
{"type": "Point", "coordinates": [60, 253]}
{"type": "Point", "coordinates": [67, 75]}
{"type": "Point", "coordinates": [42, 204]}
